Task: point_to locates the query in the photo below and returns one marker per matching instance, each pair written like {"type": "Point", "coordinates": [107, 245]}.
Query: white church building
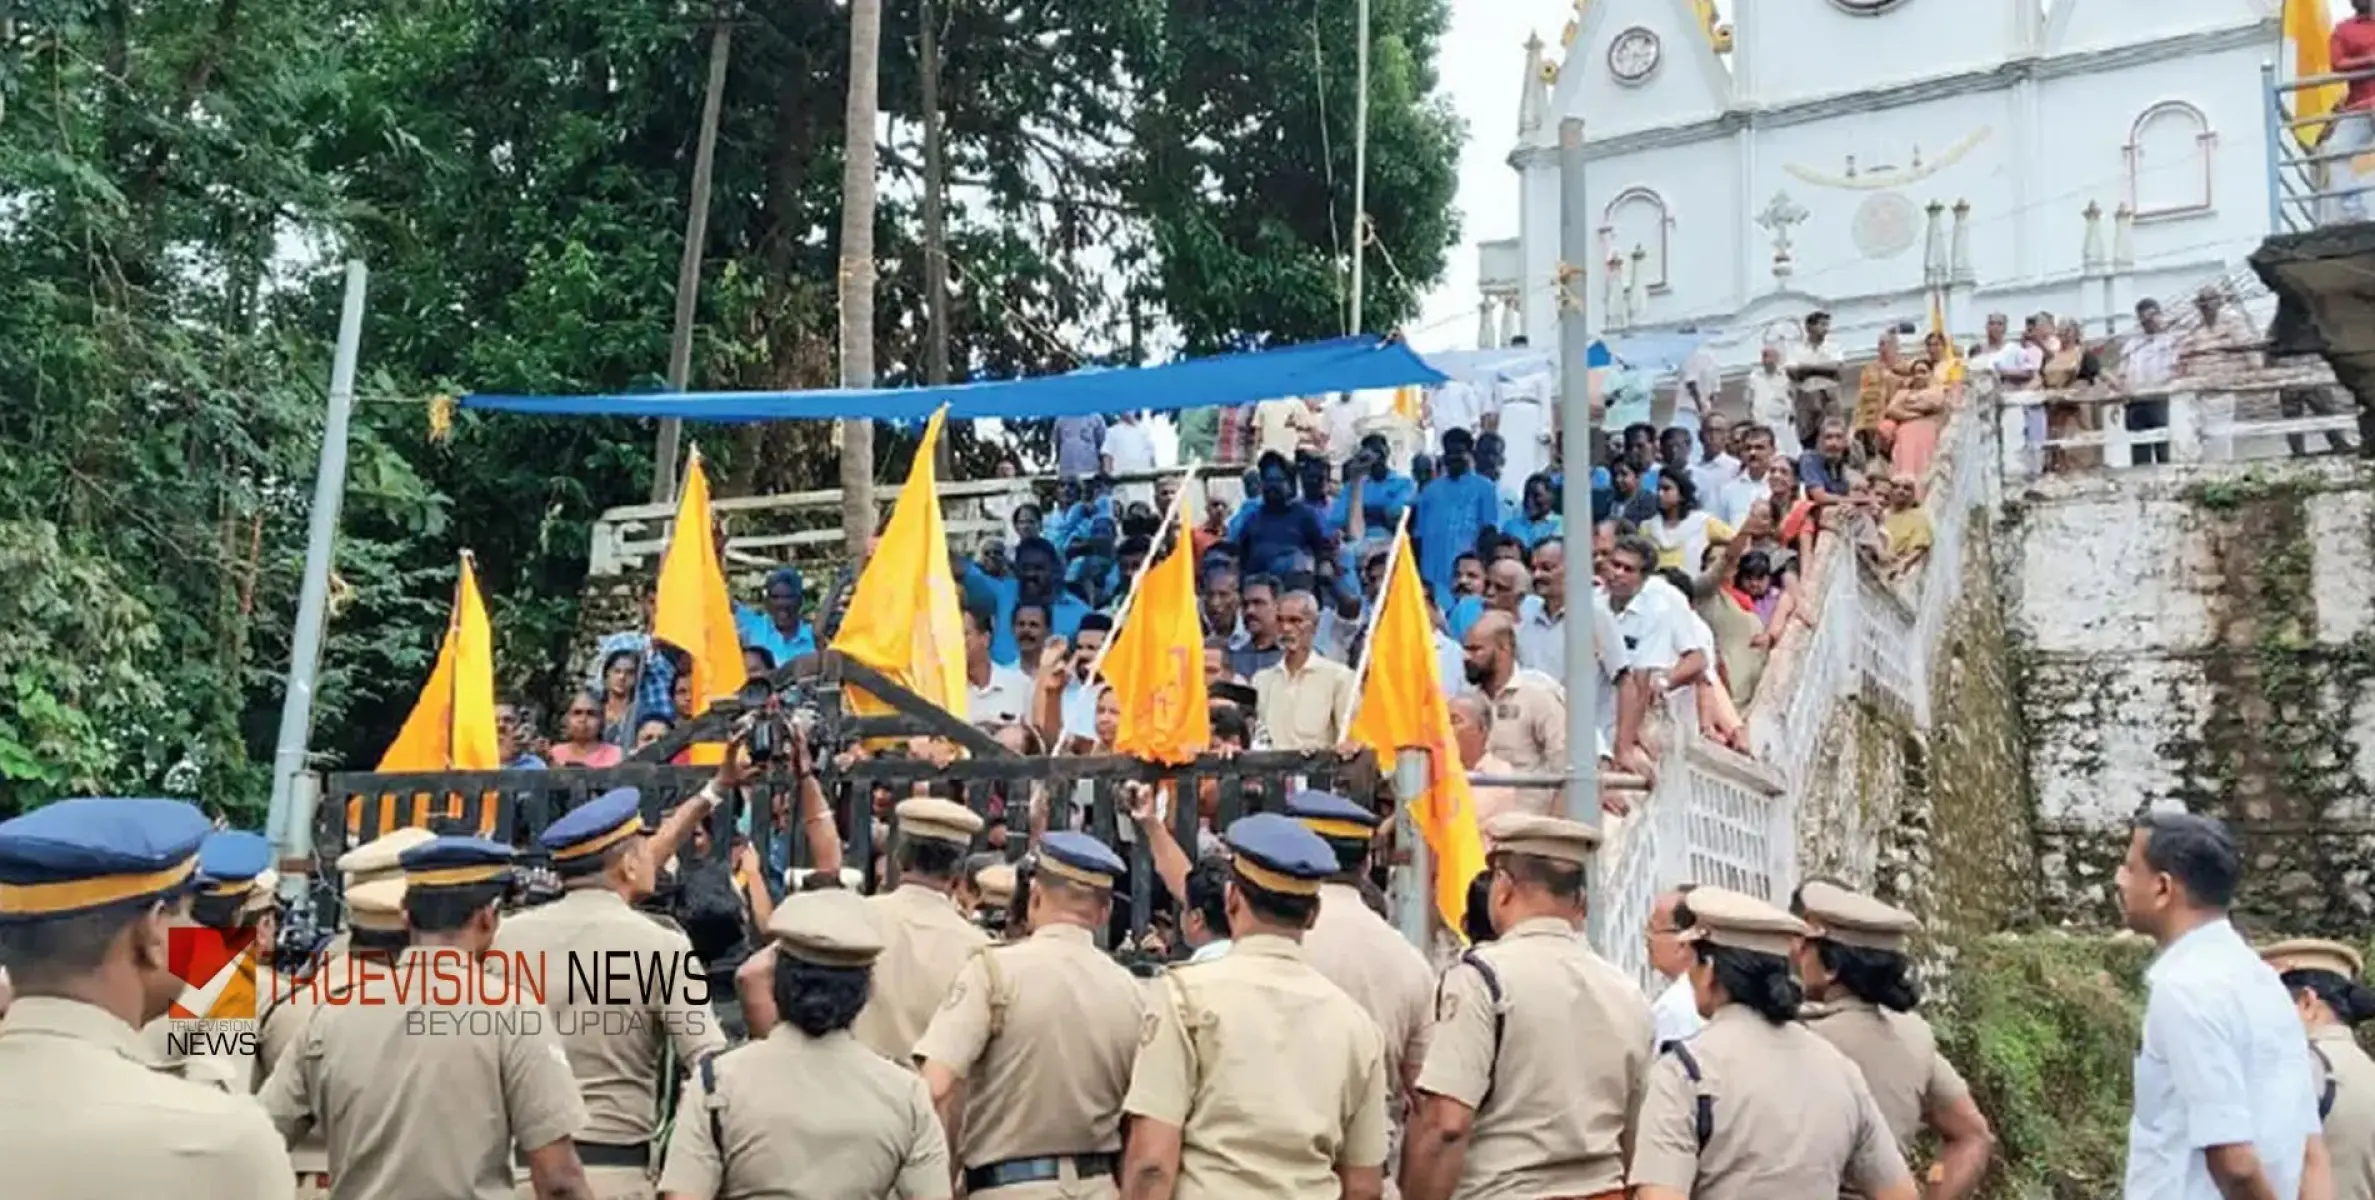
{"type": "Point", "coordinates": [2071, 156]}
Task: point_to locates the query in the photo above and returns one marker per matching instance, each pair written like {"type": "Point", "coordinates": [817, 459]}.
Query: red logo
{"type": "Point", "coordinates": [217, 968]}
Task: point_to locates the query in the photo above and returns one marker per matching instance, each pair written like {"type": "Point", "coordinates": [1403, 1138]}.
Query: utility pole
{"type": "Point", "coordinates": [288, 828]}
{"type": "Point", "coordinates": [927, 52]}
{"type": "Point", "coordinates": [688, 268]}
{"type": "Point", "coordinates": [1575, 441]}
{"type": "Point", "coordinates": [1360, 165]}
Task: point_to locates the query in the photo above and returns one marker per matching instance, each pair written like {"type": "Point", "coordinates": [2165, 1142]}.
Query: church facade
{"type": "Point", "coordinates": [2071, 156]}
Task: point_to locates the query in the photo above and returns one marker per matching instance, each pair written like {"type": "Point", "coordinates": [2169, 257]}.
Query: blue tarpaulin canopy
{"type": "Point", "coordinates": [1339, 365]}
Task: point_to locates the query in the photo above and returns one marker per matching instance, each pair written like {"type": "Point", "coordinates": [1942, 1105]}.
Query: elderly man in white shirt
{"type": "Point", "coordinates": [1674, 1015]}
{"type": "Point", "coordinates": [2147, 364]}
{"type": "Point", "coordinates": [1769, 401]}
{"type": "Point", "coordinates": [2225, 1103]}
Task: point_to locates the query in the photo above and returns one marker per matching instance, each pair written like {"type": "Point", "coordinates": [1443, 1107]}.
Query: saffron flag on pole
{"type": "Point", "coordinates": [1155, 663]}
{"type": "Point", "coordinates": [903, 618]}
{"type": "Point", "coordinates": [2309, 26]}
{"type": "Point", "coordinates": [1954, 372]}
{"type": "Point", "coordinates": [452, 726]}
{"type": "Point", "coordinates": [691, 609]}
{"type": "Point", "coordinates": [1402, 705]}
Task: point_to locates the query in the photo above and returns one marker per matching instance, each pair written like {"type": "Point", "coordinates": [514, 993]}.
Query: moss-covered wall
{"type": "Point", "coordinates": [2237, 679]}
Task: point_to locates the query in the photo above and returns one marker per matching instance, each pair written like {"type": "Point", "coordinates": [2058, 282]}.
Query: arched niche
{"type": "Point", "coordinates": [2169, 161]}
{"type": "Point", "coordinates": [1638, 217]}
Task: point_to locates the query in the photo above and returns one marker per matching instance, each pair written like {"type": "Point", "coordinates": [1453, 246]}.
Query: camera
{"type": "Point", "coordinates": [767, 729]}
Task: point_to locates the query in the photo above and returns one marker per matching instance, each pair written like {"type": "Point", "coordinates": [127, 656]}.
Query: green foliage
{"type": "Point", "coordinates": [2044, 1027]}
{"type": "Point", "coordinates": [177, 180]}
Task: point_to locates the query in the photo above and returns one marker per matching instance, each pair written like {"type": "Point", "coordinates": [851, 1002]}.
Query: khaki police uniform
{"type": "Point", "coordinates": [85, 1113]}
{"type": "Point", "coordinates": [1044, 1030]}
{"type": "Point", "coordinates": [376, 905]}
{"type": "Point", "coordinates": [1529, 725]}
{"type": "Point", "coordinates": [926, 941]}
{"type": "Point", "coordinates": [1273, 1076]}
{"type": "Point", "coordinates": [1548, 1043]}
{"type": "Point", "coordinates": [1786, 1114]}
{"type": "Point", "coordinates": [234, 893]}
{"type": "Point", "coordinates": [1897, 1052]}
{"type": "Point", "coordinates": [2344, 1075]}
{"type": "Point", "coordinates": [371, 862]}
{"type": "Point", "coordinates": [429, 1092]}
{"type": "Point", "coordinates": [791, 1116]}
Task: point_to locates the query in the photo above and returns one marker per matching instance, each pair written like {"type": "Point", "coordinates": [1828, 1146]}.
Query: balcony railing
{"type": "Point", "coordinates": [2307, 179]}
{"type": "Point", "coordinates": [2242, 416]}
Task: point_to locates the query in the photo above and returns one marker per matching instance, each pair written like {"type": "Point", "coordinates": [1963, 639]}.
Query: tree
{"type": "Point", "coordinates": [857, 269]}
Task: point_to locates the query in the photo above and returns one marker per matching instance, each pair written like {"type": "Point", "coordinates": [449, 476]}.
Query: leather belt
{"type": "Point", "coordinates": [1015, 1171]}
{"type": "Point", "coordinates": [606, 1154]}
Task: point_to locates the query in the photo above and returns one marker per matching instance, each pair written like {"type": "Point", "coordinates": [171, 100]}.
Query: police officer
{"type": "Point", "coordinates": [994, 888]}
{"type": "Point", "coordinates": [1861, 998]}
{"type": "Point", "coordinates": [89, 890]}
{"type": "Point", "coordinates": [375, 917]}
{"type": "Point", "coordinates": [618, 1036]}
{"type": "Point", "coordinates": [1756, 1106]}
{"type": "Point", "coordinates": [373, 860]}
{"type": "Point", "coordinates": [1255, 1075]}
{"type": "Point", "coordinates": [427, 1091]}
{"type": "Point", "coordinates": [1541, 1048]}
{"type": "Point", "coordinates": [925, 939]}
{"type": "Point", "coordinates": [2323, 978]}
{"type": "Point", "coordinates": [808, 1110]}
{"type": "Point", "coordinates": [1357, 950]}
{"type": "Point", "coordinates": [234, 895]}
{"type": "Point", "coordinates": [1041, 1032]}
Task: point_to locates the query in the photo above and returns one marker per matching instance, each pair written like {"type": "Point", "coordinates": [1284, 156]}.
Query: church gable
{"type": "Point", "coordinates": [2077, 26]}
{"type": "Point", "coordinates": [1809, 49]}
{"type": "Point", "coordinates": [1641, 64]}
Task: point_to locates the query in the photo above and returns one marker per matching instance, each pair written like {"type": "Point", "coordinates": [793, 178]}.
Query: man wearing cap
{"type": "Point", "coordinates": [926, 941]}
{"type": "Point", "coordinates": [2323, 978]}
{"type": "Point", "coordinates": [807, 1110]}
{"type": "Point", "coordinates": [373, 860]}
{"type": "Point", "coordinates": [430, 1091]}
{"type": "Point", "coordinates": [617, 1026]}
{"type": "Point", "coordinates": [1357, 950]}
{"type": "Point", "coordinates": [1756, 1106]}
{"type": "Point", "coordinates": [89, 890]}
{"type": "Point", "coordinates": [234, 897]}
{"type": "Point", "coordinates": [1540, 1049]}
{"type": "Point", "coordinates": [1860, 998]}
{"type": "Point", "coordinates": [993, 889]}
{"type": "Point", "coordinates": [1034, 1043]}
{"type": "Point", "coordinates": [1256, 1076]}
{"type": "Point", "coordinates": [375, 921]}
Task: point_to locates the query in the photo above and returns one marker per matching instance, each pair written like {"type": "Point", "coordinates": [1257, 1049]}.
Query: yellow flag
{"type": "Point", "coordinates": [1406, 403]}
{"type": "Point", "coordinates": [1402, 705]}
{"type": "Point", "coordinates": [452, 726]}
{"type": "Point", "coordinates": [1954, 370]}
{"type": "Point", "coordinates": [691, 610]}
{"type": "Point", "coordinates": [2309, 26]}
{"type": "Point", "coordinates": [903, 618]}
{"type": "Point", "coordinates": [1156, 664]}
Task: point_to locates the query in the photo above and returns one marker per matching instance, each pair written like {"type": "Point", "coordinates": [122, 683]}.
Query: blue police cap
{"type": "Point", "coordinates": [1080, 858]}
{"type": "Point", "coordinates": [450, 862]}
{"type": "Point", "coordinates": [78, 855]}
{"type": "Point", "coordinates": [230, 861]}
{"type": "Point", "coordinates": [578, 839]}
{"type": "Point", "coordinates": [1332, 816]}
{"type": "Point", "coordinates": [1277, 854]}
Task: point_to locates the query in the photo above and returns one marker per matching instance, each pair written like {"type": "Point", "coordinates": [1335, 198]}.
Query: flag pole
{"type": "Point", "coordinates": [1360, 670]}
{"type": "Point", "coordinates": [1153, 553]}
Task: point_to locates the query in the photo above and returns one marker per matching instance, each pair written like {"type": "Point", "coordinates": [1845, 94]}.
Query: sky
{"type": "Point", "coordinates": [1481, 63]}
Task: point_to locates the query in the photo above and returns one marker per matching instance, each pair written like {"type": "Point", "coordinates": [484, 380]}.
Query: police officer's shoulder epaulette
{"type": "Point", "coordinates": [1703, 1110]}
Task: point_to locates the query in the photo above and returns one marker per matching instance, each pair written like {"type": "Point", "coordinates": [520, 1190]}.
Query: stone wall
{"type": "Point", "coordinates": [2203, 636]}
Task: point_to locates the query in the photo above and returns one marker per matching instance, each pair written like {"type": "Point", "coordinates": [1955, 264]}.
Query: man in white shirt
{"type": "Point", "coordinates": [1675, 1012]}
{"type": "Point", "coordinates": [1130, 449]}
{"type": "Point", "coordinates": [1715, 467]}
{"type": "Point", "coordinates": [2225, 1099]}
{"type": "Point", "coordinates": [1813, 369]}
{"type": "Point", "coordinates": [995, 694]}
{"type": "Point", "coordinates": [1732, 504]}
{"type": "Point", "coordinates": [1697, 386]}
{"type": "Point", "coordinates": [1769, 401]}
{"type": "Point", "coordinates": [1343, 420]}
{"type": "Point", "coordinates": [1456, 405]}
{"type": "Point", "coordinates": [1279, 426]}
{"type": "Point", "coordinates": [2148, 364]}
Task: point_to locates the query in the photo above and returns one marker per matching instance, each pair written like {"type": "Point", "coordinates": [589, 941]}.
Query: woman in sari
{"type": "Point", "coordinates": [2071, 367]}
{"type": "Point", "coordinates": [1876, 385]}
{"type": "Point", "coordinates": [1915, 418]}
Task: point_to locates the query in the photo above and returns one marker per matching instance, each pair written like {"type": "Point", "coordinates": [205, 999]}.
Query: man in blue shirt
{"type": "Point", "coordinates": [1538, 516]}
{"type": "Point", "coordinates": [1280, 524]}
{"type": "Point", "coordinates": [1384, 493]}
{"type": "Point", "coordinates": [780, 630]}
{"type": "Point", "coordinates": [1453, 511]}
{"type": "Point", "coordinates": [1080, 446]}
{"type": "Point", "coordinates": [1038, 572]}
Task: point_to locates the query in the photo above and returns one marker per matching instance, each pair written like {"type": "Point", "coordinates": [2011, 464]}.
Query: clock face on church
{"type": "Point", "coordinates": [1633, 55]}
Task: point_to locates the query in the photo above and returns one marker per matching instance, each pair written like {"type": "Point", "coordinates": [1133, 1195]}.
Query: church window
{"type": "Point", "coordinates": [1637, 219]}
{"type": "Point", "coordinates": [2169, 161]}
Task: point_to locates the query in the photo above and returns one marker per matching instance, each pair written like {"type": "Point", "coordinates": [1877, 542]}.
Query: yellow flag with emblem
{"type": "Point", "coordinates": [1402, 705]}
{"type": "Point", "coordinates": [691, 609]}
{"type": "Point", "coordinates": [1156, 664]}
{"type": "Point", "coordinates": [903, 618]}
